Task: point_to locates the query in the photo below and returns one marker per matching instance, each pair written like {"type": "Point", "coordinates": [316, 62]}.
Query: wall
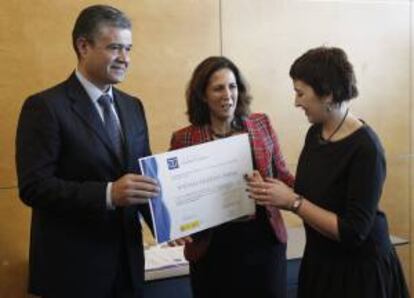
{"type": "Point", "coordinates": [376, 36]}
{"type": "Point", "coordinates": [170, 37]}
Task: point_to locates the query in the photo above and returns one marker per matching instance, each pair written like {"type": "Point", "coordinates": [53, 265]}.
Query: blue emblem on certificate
{"type": "Point", "coordinates": [172, 163]}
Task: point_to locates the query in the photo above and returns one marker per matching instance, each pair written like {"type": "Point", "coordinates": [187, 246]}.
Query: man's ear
{"type": "Point", "coordinates": [82, 45]}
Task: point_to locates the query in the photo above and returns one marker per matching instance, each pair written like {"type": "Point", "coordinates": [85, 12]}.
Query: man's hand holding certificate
{"type": "Point", "coordinates": [201, 186]}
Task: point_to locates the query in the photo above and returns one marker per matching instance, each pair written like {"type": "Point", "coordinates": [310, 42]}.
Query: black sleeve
{"type": "Point", "coordinates": [366, 178]}
{"type": "Point", "coordinates": [38, 151]}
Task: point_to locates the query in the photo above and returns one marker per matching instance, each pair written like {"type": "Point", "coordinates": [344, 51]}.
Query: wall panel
{"type": "Point", "coordinates": [14, 235]}
{"type": "Point", "coordinates": [410, 157]}
{"type": "Point", "coordinates": [264, 37]}
{"type": "Point", "coordinates": [170, 38]}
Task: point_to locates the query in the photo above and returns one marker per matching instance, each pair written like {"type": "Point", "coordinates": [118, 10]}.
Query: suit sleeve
{"type": "Point", "coordinates": [38, 150]}
{"type": "Point", "coordinates": [278, 160]}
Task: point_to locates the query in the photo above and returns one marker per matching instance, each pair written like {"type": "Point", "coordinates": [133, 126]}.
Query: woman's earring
{"type": "Point", "coordinates": [235, 124]}
{"type": "Point", "coordinates": [328, 108]}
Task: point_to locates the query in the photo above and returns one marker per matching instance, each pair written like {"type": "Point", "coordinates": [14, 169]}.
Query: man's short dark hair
{"type": "Point", "coordinates": [91, 19]}
{"type": "Point", "coordinates": [328, 71]}
{"type": "Point", "coordinates": [197, 109]}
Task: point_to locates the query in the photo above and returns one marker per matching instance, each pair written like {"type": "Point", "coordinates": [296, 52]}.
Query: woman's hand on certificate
{"type": "Point", "coordinates": [180, 241]}
{"type": "Point", "coordinates": [270, 191]}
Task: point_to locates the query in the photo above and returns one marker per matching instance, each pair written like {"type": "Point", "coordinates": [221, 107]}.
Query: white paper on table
{"type": "Point", "coordinates": [201, 186]}
{"type": "Point", "coordinates": [158, 257]}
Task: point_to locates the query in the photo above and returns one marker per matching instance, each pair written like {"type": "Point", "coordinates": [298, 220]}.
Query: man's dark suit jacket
{"type": "Point", "coordinates": [64, 161]}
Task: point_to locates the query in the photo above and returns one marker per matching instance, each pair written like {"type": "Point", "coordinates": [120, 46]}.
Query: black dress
{"type": "Point", "coordinates": [346, 177]}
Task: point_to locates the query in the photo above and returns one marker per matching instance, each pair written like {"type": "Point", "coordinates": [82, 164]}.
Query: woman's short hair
{"type": "Point", "coordinates": [328, 71]}
{"type": "Point", "coordinates": [197, 109]}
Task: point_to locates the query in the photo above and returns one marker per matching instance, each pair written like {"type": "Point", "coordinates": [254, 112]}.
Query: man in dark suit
{"type": "Point", "coordinates": [76, 151]}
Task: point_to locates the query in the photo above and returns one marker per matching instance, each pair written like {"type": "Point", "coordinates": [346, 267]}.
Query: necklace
{"type": "Point", "coordinates": [221, 135]}
{"type": "Point", "coordinates": [235, 126]}
{"type": "Point", "coordinates": [328, 139]}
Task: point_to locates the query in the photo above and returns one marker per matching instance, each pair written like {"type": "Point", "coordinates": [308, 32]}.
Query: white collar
{"type": "Point", "coordinates": [94, 92]}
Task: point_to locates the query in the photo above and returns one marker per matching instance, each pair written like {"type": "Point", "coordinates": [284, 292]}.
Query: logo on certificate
{"type": "Point", "coordinates": [172, 163]}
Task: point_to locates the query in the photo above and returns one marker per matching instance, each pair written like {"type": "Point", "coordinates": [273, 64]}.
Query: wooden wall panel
{"type": "Point", "coordinates": [410, 159]}
{"type": "Point", "coordinates": [170, 38]}
{"type": "Point", "coordinates": [274, 33]}
{"type": "Point", "coordinates": [376, 36]}
{"type": "Point", "coordinates": [14, 235]}
{"type": "Point", "coordinates": [35, 51]}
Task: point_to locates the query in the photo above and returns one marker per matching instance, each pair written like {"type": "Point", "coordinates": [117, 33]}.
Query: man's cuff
{"type": "Point", "coordinates": [109, 204]}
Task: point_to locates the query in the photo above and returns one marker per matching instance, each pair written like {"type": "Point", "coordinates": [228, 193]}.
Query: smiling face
{"type": "Point", "coordinates": [313, 105]}
{"type": "Point", "coordinates": [105, 60]}
{"type": "Point", "coordinates": [221, 95]}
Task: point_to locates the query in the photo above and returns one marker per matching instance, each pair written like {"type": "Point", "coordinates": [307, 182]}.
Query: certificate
{"type": "Point", "coordinates": [201, 186]}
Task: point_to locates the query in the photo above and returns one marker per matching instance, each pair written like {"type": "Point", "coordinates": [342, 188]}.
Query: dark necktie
{"type": "Point", "coordinates": [111, 125]}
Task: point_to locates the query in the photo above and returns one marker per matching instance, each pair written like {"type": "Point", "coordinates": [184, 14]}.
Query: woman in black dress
{"type": "Point", "coordinates": [339, 180]}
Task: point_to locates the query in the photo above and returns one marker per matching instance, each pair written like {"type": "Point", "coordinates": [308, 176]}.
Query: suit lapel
{"type": "Point", "coordinates": [84, 108]}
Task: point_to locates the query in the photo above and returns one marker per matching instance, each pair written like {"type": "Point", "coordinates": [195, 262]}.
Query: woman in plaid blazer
{"type": "Point", "coordinates": [246, 257]}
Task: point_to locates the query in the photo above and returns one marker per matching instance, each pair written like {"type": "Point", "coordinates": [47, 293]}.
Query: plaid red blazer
{"type": "Point", "coordinates": [268, 160]}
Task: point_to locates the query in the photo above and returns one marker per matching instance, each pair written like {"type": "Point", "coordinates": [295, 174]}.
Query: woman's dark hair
{"type": "Point", "coordinates": [197, 110]}
{"type": "Point", "coordinates": [91, 19]}
{"type": "Point", "coordinates": [328, 71]}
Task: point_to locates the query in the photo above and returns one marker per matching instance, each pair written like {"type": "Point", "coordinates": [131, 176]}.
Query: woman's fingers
{"type": "Point", "coordinates": [254, 176]}
{"type": "Point", "coordinates": [256, 184]}
{"type": "Point", "coordinates": [272, 180]}
{"type": "Point", "coordinates": [257, 176]}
